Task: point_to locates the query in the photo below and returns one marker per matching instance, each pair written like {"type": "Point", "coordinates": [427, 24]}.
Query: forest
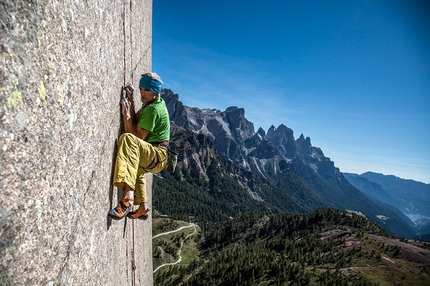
{"type": "Point", "coordinates": [327, 247]}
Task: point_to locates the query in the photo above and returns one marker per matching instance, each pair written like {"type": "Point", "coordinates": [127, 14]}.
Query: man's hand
{"type": "Point", "coordinates": [125, 110]}
{"type": "Point", "coordinates": [129, 91]}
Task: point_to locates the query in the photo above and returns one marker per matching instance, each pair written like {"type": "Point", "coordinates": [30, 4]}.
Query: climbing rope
{"type": "Point", "coordinates": [133, 260]}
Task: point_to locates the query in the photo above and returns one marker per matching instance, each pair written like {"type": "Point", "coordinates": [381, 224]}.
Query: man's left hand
{"type": "Point", "coordinates": [125, 110]}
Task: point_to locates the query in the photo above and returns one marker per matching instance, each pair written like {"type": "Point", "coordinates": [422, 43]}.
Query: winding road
{"type": "Point", "coordinates": [173, 231]}
{"type": "Point", "coordinates": [182, 243]}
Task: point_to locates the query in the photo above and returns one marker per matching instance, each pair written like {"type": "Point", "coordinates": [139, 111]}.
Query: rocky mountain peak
{"type": "Point", "coordinates": [241, 129]}
{"type": "Point", "coordinates": [304, 141]}
{"type": "Point", "coordinates": [304, 145]}
{"type": "Point", "coordinates": [234, 109]}
{"type": "Point", "coordinates": [233, 136]}
{"type": "Point", "coordinates": [261, 132]}
{"type": "Point", "coordinates": [170, 98]}
{"type": "Point", "coordinates": [228, 130]}
{"type": "Point", "coordinates": [283, 139]}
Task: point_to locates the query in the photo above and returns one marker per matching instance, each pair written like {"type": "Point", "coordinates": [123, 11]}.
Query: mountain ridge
{"type": "Point", "coordinates": [412, 198]}
{"type": "Point", "coordinates": [276, 154]}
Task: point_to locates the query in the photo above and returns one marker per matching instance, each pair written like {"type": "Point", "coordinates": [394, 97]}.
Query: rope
{"type": "Point", "coordinates": [133, 260]}
{"type": "Point", "coordinates": [124, 36]}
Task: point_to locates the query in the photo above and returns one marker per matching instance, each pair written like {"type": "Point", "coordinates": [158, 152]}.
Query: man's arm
{"type": "Point", "coordinates": [137, 115]}
{"type": "Point", "coordinates": [131, 119]}
{"type": "Point", "coordinates": [131, 127]}
{"type": "Point", "coordinates": [128, 93]}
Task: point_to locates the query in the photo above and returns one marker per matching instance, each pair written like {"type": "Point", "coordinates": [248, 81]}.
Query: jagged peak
{"type": "Point", "coordinates": [304, 141]}
{"type": "Point", "coordinates": [280, 129]}
{"type": "Point", "coordinates": [233, 108]}
{"type": "Point", "coordinates": [261, 132]}
{"type": "Point", "coordinates": [271, 129]}
{"type": "Point", "coordinates": [168, 92]}
{"type": "Point", "coordinates": [239, 112]}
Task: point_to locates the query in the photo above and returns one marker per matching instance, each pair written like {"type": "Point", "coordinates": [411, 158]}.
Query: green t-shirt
{"type": "Point", "coordinates": [155, 118]}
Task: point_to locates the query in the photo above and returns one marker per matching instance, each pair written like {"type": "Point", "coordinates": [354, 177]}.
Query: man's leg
{"type": "Point", "coordinates": [133, 156]}
{"type": "Point", "coordinates": [126, 169]}
{"type": "Point", "coordinates": [128, 193]}
{"type": "Point", "coordinates": [140, 197]}
{"type": "Point", "coordinates": [127, 162]}
{"type": "Point", "coordinates": [140, 191]}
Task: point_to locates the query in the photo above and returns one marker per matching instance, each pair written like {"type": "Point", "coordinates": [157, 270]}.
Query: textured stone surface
{"type": "Point", "coordinates": [62, 67]}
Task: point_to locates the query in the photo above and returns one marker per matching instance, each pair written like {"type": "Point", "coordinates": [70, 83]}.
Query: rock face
{"type": "Point", "coordinates": [283, 139]}
{"type": "Point", "coordinates": [62, 67]}
{"type": "Point", "coordinates": [228, 129]}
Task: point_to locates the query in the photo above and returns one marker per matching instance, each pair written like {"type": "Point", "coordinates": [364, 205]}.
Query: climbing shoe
{"type": "Point", "coordinates": [121, 210]}
{"type": "Point", "coordinates": [138, 214]}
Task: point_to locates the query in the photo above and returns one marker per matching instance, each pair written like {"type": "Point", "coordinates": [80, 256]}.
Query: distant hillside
{"type": "Point", "coordinates": [410, 197]}
{"type": "Point", "coordinates": [416, 194]}
{"type": "Point", "coordinates": [327, 247]}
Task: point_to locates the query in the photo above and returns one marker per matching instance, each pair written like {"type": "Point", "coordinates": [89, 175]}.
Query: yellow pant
{"type": "Point", "coordinates": [133, 156]}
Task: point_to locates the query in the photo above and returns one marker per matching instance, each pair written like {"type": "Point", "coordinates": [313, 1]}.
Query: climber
{"type": "Point", "coordinates": [143, 146]}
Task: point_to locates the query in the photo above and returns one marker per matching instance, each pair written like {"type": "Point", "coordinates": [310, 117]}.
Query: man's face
{"type": "Point", "coordinates": [147, 96]}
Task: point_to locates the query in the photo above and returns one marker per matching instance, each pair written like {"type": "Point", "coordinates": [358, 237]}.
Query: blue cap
{"type": "Point", "coordinates": [150, 83]}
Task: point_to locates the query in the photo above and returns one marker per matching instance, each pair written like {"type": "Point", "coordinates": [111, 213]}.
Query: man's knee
{"type": "Point", "coordinates": [126, 137]}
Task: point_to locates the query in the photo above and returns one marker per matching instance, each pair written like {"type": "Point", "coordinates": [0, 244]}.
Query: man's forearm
{"type": "Point", "coordinates": [133, 114]}
{"type": "Point", "coordinates": [129, 126]}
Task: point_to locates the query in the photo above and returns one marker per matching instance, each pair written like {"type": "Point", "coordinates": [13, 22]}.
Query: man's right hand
{"type": "Point", "coordinates": [129, 91]}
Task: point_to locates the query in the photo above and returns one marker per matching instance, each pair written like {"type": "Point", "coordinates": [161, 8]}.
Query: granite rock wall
{"type": "Point", "coordinates": [63, 64]}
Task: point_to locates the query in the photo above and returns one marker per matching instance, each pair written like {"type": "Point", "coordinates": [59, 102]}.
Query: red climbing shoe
{"type": "Point", "coordinates": [121, 210]}
{"type": "Point", "coordinates": [138, 214]}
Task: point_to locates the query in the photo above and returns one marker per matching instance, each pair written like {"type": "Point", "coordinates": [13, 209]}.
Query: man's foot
{"type": "Point", "coordinates": [138, 214]}
{"type": "Point", "coordinates": [121, 210]}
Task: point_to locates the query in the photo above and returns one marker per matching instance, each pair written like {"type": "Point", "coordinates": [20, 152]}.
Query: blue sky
{"type": "Point", "coordinates": [354, 76]}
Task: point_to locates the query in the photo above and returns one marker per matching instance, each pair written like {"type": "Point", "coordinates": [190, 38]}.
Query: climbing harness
{"type": "Point", "coordinates": [155, 161]}
{"type": "Point", "coordinates": [172, 157]}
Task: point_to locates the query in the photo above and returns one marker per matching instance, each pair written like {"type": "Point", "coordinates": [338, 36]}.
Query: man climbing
{"type": "Point", "coordinates": [143, 146]}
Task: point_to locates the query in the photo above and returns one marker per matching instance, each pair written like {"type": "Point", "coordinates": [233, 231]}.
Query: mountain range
{"type": "Point", "coordinates": [410, 197]}
{"type": "Point", "coordinates": [272, 169]}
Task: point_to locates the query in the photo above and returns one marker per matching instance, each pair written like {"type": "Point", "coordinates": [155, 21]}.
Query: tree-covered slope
{"type": "Point", "coordinates": [327, 247]}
